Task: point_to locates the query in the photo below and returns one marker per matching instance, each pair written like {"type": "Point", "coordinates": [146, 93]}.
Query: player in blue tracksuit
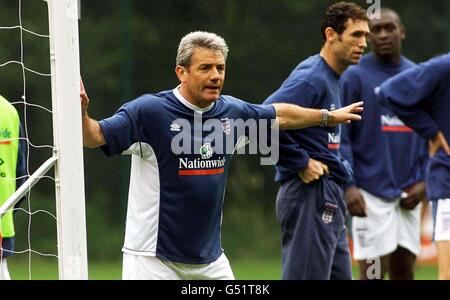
{"type": "Point", "coordinates": [420, 96]}
{"type": "Point", "coordinates": [310, 203]}
{"type": "Point", "coordinates": [388, 160]}
{"type": "Point", "coordinates": [179, 171]}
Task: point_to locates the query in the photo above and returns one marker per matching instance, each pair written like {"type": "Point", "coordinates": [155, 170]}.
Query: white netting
{"type": "Point", "coordinates": [25, 77]}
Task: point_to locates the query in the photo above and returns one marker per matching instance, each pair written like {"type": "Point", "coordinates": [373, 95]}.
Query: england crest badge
{"type": "Point", "coordinates": [226, 126]}
{"type": "Point", "coordinates": [329, 210]}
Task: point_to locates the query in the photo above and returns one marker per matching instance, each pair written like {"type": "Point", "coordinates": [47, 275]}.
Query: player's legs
{"type": "Point", "coordinates": [441, 213]}
{"type": "Point", "coordinates": [295, 212]}
{"type": "Point", "coordinates": [342, 264]}
{"type": "Point", "coordinates": [4, 273]}
{"type": "Point", "coordinates": [424, 209]}
{"type": "Point", "coordinates": [401, 264]}
{"type": "Point", "coordinates": [403, 259]}
{"type": "Point", "coordinates": [375, 236]}
{"type": "Point", "coordinates": [6, 250]}
{"type": "Point", "coordinates": [366, 271]}
{"type": "Point", "coordinates": [136, 267]}
{"type": "Point", "coordinates": [217, 270]}
{"type": "Point", "coordinates": [443, 252]}
{"type": "Point", "coordinates": [311, 218]}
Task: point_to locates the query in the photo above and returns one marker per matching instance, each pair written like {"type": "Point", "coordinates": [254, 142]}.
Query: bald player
{"type": "Point", "coordinates": [387, 157]}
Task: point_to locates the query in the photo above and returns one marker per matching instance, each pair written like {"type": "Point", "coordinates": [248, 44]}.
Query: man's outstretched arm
{"type": "Point", "coordinates": [92, 133]}
{"type": "Point", "coordinates": [290, 116]}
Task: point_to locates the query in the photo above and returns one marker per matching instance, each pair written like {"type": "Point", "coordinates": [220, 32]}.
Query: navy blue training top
{"type": "Point", "coordinates": [175, 199]}
{"type": "Point", "coordinates": [420, 96]}
{"type": "Point", "coordinates": [386, 155]}
{"type": "Point", "coordinates": [312, 84]}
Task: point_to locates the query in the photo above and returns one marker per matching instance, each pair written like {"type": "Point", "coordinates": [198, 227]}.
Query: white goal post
{"type": "Point", "coordinates": [69, 171]}
{"type": "Point", "coordinates": [68, 144]}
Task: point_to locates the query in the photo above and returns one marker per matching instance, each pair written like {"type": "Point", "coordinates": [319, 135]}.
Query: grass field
{"type": "Point", "coordinates": [46, 269]}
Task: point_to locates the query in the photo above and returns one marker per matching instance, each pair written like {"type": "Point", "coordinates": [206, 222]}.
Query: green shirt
{"type": "Point", "coordinates": [9, 147]}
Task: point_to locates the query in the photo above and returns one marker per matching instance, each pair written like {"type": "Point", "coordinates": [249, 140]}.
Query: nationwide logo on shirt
{"type": "Point", "coordinates": [393, 124]}
{"type": "Point", "coordinates": [204, 165]}
{"type": "Point", "coordinates": [334, 141]}
{"type": "Point", "coordinates": [5, 136]}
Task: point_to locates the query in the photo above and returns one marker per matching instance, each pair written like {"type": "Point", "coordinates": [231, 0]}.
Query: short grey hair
{"type": "Point", "coordinates": [199, 39]}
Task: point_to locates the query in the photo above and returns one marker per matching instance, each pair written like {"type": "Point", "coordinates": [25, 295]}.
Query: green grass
{"type": "Point", "coordinates": [271, 269]}
{"type": "Point", "coordinates": [46, 269]}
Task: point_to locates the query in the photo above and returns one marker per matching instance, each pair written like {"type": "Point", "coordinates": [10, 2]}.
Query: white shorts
{"type": "Point", "coordinates": [136, 267]}
{"type": "Point", "coordinates": [386, 227]}
{"type": "Point", "coordinates": [441, 215]}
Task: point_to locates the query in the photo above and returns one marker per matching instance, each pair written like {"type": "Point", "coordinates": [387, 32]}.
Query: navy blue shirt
{"type": "Point", "coordinates": [312, 84]}
{"type": "Point", "coordinates": [175, 200]}
{"type": "Point", "coordinates": [386, 155]}
{"type": "Point", "coordinates": [420, 96]}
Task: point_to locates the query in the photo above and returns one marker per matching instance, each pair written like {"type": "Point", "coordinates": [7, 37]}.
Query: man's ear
{"type": "Point", "coordinates": [331, 34]}
{"type": "Point", "coordinates": [181, 73]}
{"type": "Point", "coordinates": [403, 32]}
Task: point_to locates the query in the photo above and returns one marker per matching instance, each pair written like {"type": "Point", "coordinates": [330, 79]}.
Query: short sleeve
{"type": "Point", "coordinates": [258, 111]}
{"type": "Point", "coordinates": [120, 131]}
{"type": "Point", "coordinates": [297, 92]}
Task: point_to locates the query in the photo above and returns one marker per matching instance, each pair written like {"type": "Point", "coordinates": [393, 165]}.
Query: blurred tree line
{"type": "Point", "coordinates": [128, 48]}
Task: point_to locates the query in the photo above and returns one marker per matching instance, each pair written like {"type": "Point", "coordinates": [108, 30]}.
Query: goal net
{"type": "Point", "coordinates": [40, 76]}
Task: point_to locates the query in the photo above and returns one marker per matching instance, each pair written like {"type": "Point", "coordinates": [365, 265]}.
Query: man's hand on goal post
{"type": "Point", "coordinates": [83, 97]}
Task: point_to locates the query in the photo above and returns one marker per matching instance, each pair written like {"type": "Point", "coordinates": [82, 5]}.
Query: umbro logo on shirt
{"type": "Point", "coordinates": [175, 127]}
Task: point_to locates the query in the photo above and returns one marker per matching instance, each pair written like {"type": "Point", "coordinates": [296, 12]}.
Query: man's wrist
{"type": "Point", "coordinates": [325, 117]}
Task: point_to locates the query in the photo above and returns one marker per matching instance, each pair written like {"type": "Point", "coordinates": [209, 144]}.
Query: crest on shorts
{"type": "Point", "coordinates": [328, 213]}
{"type": "Point", "coordinates": [446, 222]}
{"type": "Point", "coordinates": [361, 233]}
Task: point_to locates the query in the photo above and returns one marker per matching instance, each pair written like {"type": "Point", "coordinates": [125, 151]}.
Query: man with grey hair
{"type": "Point", "coordinates": [199, 39]}
{"type": "Point", "coordinates": [175, 199]}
